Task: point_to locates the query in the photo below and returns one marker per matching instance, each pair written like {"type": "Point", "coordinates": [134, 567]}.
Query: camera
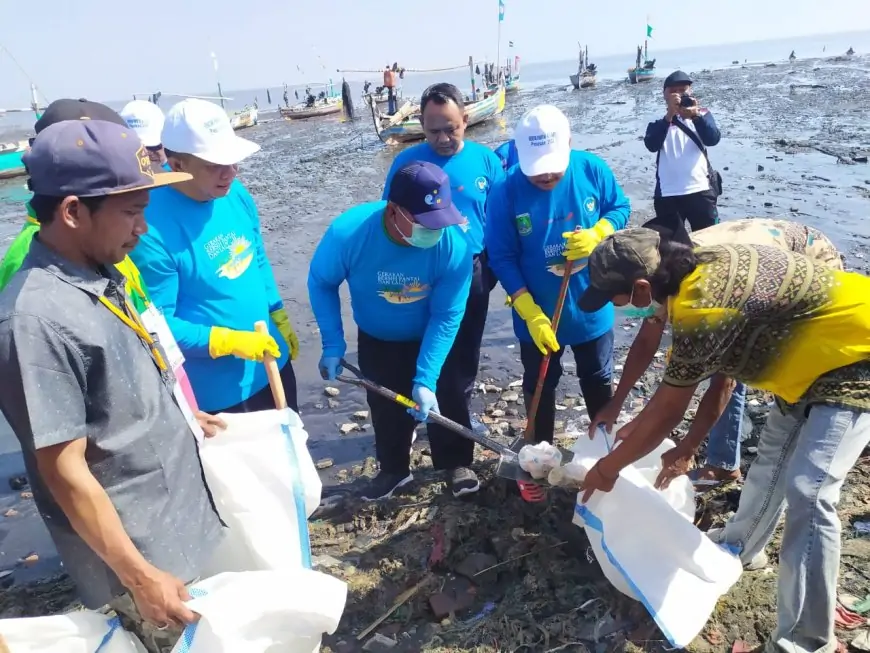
{"type": "Point", "coordinates": [687, 101]}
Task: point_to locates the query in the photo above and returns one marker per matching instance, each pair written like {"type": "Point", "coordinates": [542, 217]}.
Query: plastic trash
{"type": "Point", "coordinates": [265, 487]}
{"type": "Point", "coordinates": [648, 546]}
{"type": "Point", "coordinates": [539, 459]}
{"type": "Point", "coordinates": [263, 611]}
{"type": "Point", "coordinates": [568, 475]}
{"type": "Point", "coordinates": [77, 632]}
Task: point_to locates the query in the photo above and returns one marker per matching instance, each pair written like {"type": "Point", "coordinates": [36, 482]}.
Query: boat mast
{"type": "Point", "coordinates": [471, 72]}
{"type": "Point", "coordinates": [498, 45]}
{"type": "Point", "coordinates": [34, 100]}
{"type": "Point", "coordinates": [220, 92]}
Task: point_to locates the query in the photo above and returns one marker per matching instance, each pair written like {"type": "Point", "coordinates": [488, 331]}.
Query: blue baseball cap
{"type": "Point", "coordinates": [423, 189]}
{"type": "Point", "coordinates": [91, 158]}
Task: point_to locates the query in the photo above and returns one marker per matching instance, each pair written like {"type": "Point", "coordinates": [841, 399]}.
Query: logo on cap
{"type": "Point", "coordinates": [144, 162]}
{"type": "Point", "coordinates": [431, 200]}
{"type": "Point", "coordinates": [524, 224]}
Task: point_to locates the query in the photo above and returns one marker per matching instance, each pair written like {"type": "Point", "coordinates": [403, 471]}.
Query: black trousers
{"type": "Point", "coordinates": [698, 208]}
{"type": "Point", "coordinates": [594, 361]}
{"type": "Point", "coordinates": [263, 399]}
{"type": "Point", "coordinates": [394, 365]}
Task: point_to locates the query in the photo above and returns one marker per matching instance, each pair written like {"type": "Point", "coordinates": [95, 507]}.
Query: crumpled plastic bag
{"type": "Point", "coordinates": [539, 459]}
{"type": "Point", "coordinates": [569, 475]}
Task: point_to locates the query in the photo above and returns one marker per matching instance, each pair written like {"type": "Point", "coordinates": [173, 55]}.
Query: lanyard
{"type": "Point", "coordinates": [138, 328]}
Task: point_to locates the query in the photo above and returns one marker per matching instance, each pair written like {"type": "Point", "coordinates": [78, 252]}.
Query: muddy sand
{"type": "Point", "coordinates": [794, 144]}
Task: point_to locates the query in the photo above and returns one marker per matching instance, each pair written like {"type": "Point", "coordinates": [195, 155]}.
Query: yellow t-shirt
{"type": "Point", "coordinates": [773, 319]}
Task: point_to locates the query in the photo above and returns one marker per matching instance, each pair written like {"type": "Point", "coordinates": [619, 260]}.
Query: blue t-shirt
{"type": "Point", "coordinates": [398, 293]}
{"type": "Point", "coordinates": [507, 152]}
{"type": "Point", "coordinates": [472, 172]}
{"type": "Point", "coordinates": [525, 245]}
{"type": "Point", "coordinates": [206, 266]}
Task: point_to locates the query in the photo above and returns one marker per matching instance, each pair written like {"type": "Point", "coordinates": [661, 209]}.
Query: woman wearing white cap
{"type": "Point", "coordinates": [146, 119]}
{"type": "Point", "coordinates": [542, 222]}
{"type": "Point", "coordinates": [204, 260]}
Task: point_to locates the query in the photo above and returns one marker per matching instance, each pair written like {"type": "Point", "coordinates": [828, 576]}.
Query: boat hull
{"type": "Point", "coordinates": [244, 119]}
{"type": "Point", "coordinates": [10, 159]}
{"type": "Point", "coordinates": [582, 81]}
{"type": "Point", "coordinates": [638, 75]}
{"type": "Point", "coordinates": [513, 86]}
{"type": "Point", "coordinates": [411, 129]}
{"type": "Point", "coordinates": [310, 112]}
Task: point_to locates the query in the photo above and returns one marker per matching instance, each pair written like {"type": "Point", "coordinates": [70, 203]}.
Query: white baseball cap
{"type": "Point", "coordinates": [146, 119]}
{"type": "Point", "coordinates": [543, 140]}
{"type": "Point", "coordinates": [203, 129]}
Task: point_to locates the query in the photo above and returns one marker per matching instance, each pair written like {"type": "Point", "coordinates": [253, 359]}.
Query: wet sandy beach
{"type": "Point", "coordinates": [794, 144]}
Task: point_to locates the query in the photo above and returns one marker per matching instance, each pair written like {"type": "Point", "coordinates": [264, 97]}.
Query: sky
{"type": "Point", "coordinates": [107, 50]}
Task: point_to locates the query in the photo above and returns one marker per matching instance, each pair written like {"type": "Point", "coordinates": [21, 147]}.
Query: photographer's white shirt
{"type": "Point", "coordinates": [682, 166]}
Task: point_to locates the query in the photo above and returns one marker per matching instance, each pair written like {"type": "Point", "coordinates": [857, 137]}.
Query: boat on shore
{"type": "Point", "coordinates": [586, 72]}
{"type": "Point", "coordinates": [405, 125]}
{"type": "Point", "coordinates": [382, 97]}
{"type": "Point", "coordinates": [325, 103]}
{"type": "Point", "coordinates": [10, 159]}
{"type": "Point", "coordinates": [247, 117]}
{"type": "Point", "coordinates": [645, 72]}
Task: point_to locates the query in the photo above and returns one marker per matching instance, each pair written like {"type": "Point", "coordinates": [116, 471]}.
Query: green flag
{"type": "Point", "coordinates": [649, 31]}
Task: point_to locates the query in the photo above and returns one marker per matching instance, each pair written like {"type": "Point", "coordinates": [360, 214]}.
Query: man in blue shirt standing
{"type": "Point", "coordinates": [204, 261]}
{"type": "Point", "coordinates": [548, 214]}
{"type": "Point", "coordinates": [408, 270]}
{"type": "Point", "coordinates": [473, 170]}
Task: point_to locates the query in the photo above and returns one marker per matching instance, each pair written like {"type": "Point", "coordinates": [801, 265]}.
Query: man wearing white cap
{"type": "Point", "coordinates": [146, 119]}
{"type": "Point", "coordinates": [542, 222]}
{"type": "Point", "coordinates": [204, 260]}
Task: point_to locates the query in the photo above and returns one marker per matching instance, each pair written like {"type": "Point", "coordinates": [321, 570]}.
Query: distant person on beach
{"type": "Point", "coordinates": [408, 269]}
{"type": "Point", "coordinates": [204, 260]}
{"type": "Point", "coordinates": [542, 223]}
{"type": "Point", "coordinates": [687, 187]}
{"type": "Point", "coordinates": [779, 322]}
{"type": "Point", "coordinates": [146, 119]}
{"type": "Point", "coordinates": [725, 432]}
{"type": "Point", "coordinates": [390, 85]}
{"type": "Point", "coordinates": [473, 170]}
{"type": "Point", "coordinates": [88, 392]}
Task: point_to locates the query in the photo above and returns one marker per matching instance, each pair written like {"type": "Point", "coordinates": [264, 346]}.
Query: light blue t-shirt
{"type": "Point", "coordinates": [507, 152]}
{"type": "Point", "coordinates": [526, 248]}
{"type": "Point", "coordinates": [473, 172]}
{"type": "Point", "coordinates": [205, 265]}
{"type": "Point", "coordinates": [398, 293]}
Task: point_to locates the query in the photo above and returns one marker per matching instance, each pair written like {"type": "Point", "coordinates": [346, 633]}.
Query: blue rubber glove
{"type": "Point", "coordinates": [427, 402]}
{"type": "Point", "coordinates": [330, 367]}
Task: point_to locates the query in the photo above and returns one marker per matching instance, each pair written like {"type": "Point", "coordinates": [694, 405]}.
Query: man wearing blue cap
{"type": "Point", "coordinates": [409, 272]}
{"type": "Point", "coordinates": [88, 391]}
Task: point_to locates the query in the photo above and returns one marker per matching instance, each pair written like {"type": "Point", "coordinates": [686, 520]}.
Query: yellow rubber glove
{"type": "Point", "coordinates": [282, 321]}
{"type": "Point", "coordinates": [540, 327]}
{"type": "Point", "coordinates": [250, 345]}
{"type": "Point", "coordinates": [579, 244]}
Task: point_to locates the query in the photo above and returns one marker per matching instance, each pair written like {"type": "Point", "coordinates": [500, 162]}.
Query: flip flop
{"type": "Point", "coordinates": [531, 492]}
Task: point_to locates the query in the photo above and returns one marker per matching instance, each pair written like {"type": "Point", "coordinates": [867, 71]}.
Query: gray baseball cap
{"type": "Point", "coordinates": [617, 262]}
{"type": "Point", "coordinates": [91, 158]}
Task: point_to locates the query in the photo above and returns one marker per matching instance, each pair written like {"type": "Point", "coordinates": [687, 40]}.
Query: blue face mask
{"type": "Point", "coordinates": [632, 312]}
{"type": "Point", "coordinates": [421, 236]}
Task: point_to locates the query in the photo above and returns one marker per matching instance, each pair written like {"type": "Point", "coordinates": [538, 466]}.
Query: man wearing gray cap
{"type": "Point", "coordinates": [87, 390]}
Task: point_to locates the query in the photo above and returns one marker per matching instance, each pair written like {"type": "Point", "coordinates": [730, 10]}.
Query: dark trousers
{"type": "Point", "coordinates": [394, 365]}
{"type": "Point", "coordinates": [391, 101]}
{"type": "Point", "coordinates": [594, 361]}
{"type": "Point", "coordinates": [263, 399]}
{"type": "Point", "coordinates": [698, 208]}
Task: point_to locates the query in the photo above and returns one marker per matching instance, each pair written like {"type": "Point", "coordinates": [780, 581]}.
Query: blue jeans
{"type": "Point", "coordinates": [802, 463]}
{"type": "Point", "coordinates": [723, 447]}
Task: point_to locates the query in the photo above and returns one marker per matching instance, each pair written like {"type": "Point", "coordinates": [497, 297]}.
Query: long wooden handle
{"type": "Point", "coordinates": [272, 371]}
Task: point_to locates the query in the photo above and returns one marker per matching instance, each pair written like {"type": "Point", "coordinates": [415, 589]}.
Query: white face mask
{"type": "Point", "coordinates": [421, 236]}
{"type": "Point", "coordinates": [632, 312]}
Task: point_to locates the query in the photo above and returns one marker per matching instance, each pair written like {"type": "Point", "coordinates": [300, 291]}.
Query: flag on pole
{"type": "Point", "coordinates": [649, 31]}
{"type": "Point", "coordinates": [501, 10]}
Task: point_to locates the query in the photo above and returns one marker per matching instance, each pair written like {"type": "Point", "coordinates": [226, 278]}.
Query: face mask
{"type": "Point", "coordinates": [632, 312]}
{"type": "Point", "coordinates": [421, 236]}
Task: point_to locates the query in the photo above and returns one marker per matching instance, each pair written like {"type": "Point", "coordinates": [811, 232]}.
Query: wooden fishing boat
{"type": "Point", "coordinates": [382, 98]}
{"type": "Point", "coordinates": [10, 159]}
{"type": "Point", "coordinates": [320, 108]}
{"type": "Point", "coordinates": [512, 85]}
{"type": "Point", "coordinates": [585, 76]}
{"type": "Point", "coordinates": [642, 72]}
{"type": "Point", "coordinates": [247, 117]}
{"type": "Point", "coordinates": [405, 126]}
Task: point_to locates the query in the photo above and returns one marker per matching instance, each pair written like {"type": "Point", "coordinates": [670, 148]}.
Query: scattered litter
{"type": "Point", "coordinates": [324, 463]}
{"type": "Point", "coordinates": [348, 428]}
{"type": "Point", "coordinates": [18, 483]}
{"type": "Point", "coordinates": [12, 512]}
{"type": "Point", "coordinates": [329, 391]}
{"type": "Point", "coordinates": [862, 527]}
{"type": "Point", "coordinates": [848, 620]}
{"type": "Point", "coordinates": [361, 415]}
{"type": "Point", "coordinates": [861, 641]}
{"type": "Point", "coordinates": [379, 643]}
{"type": "Point", "coordinates": [539, 459]}
{"type": "Point", "coordinates": [570, 475]}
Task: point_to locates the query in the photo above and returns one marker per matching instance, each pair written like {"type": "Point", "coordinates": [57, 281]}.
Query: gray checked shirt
{"type": "Point", "coordinates": [69, 369]}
